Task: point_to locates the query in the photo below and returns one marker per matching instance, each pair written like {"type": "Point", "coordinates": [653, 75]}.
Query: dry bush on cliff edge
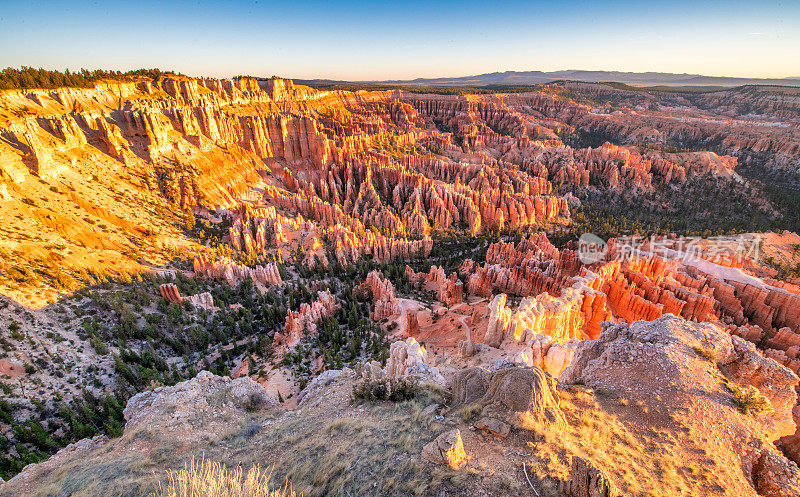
{"type": "Point", "coordinates": [211, 479]}
{"type": "Point", "coordinates": [748, 399]}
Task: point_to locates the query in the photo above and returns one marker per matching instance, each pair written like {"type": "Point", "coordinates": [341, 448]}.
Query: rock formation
{"type": "Point", "coordinates": [171, 406]}
{"type": "Point", "coordinates": [304, 320]}
{"type": "Point", "coordinates": [407, 359]}
{"type": "Point", "coordinates": [519, 396]}
{"type": "Point", "coordinates": [381, 291]}
{"type": "Point", "coordinates": [587, 481]}
{"type": "Point", "coordinates": [170, 293]}
{"type": "Point", "coordinates": [531, 267]}
{"type": "Point", "coordinates": [234, 274]}
{"type": "Point", "coordinates": [448, 448]}
{"type": "Point", "coordinates": [449, 290]}
{"type": "Point", "coordinates": [667, 350]}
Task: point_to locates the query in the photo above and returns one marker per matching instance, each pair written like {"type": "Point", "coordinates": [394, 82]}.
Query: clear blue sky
{"type": "Point", "coordinates": [392, 40]}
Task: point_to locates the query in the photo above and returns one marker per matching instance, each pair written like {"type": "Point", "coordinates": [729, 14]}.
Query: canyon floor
{"type": "Point", "coordinates": [574, 289]}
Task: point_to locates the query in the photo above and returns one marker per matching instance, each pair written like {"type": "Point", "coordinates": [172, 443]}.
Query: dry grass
{"type": "Point", "coordinates": [598, 428]}
{"type": "Point", "coordinates": [370, 454]}
{"type": "Point", "coordinates": [707, 353]}
{"type": "Point", "coordinates": [211, 479]}
{"type": "Point", "coordinates": [468, 412]}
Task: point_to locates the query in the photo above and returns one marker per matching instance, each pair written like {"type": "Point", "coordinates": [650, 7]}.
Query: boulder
{"type": "Point", "coordinates": [523, 397]}
{"type": "Point", "coordinates": [493, 426]}
{"type": "Point", "coordinates": [519, 396]}
{"type": "Point", "coordinates": [447, 448]}
{"type": "Point", "coordinates": [470, 385]}
{"type": "Point", "coordinates": [466, 348]}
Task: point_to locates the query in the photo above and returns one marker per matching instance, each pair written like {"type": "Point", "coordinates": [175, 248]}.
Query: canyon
{"type": "Point", "coordinates": [178, 232]}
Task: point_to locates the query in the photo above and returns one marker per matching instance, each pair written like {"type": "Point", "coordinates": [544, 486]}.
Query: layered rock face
{"type": "Point", "coordinates": [195, 135]}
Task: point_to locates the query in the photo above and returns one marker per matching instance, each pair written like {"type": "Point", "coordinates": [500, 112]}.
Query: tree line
{"type": "Point", "coordinates": [29, 77]}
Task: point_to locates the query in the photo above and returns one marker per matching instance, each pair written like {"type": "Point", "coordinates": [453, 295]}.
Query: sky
{"type": "Point", "coordinates": [358, 41]}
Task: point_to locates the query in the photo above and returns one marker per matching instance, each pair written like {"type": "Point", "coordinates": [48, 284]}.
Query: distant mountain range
{"type": "Point", "coordinates": [630, 78]}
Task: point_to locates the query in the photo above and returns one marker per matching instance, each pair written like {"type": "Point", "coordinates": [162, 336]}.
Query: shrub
{"type": "Point", "coordinates": [21, 275]}
{"type": "Point", "coordinates": [254, 402]}
{"type": "Point", "coordinates": [13, 327]}
{"type": "Point", "coordinates": [748, 399]}
{"type": "Point", "coordinates": [709, 354]}
{"type": "Point", "coordinates": [251, 430]}
{"type": "Point", "coordinates": [385, 389]}
{"type": "Point", "coordinates": [64, 281]}
{"type": "Point", "coordinates": [98, 345]}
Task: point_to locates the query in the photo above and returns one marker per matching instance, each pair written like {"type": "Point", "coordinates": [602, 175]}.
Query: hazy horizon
{"type": "Point", "coordinates": [360, 42]}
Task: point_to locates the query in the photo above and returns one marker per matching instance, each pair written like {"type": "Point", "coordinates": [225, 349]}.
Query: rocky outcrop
{"type": "Point", "coordinates": [773, 477]}
{"type": "Point", "coordinates": [522, 397]}
{"type": "Point", "coordinates": [499, 320]}
{"type": "Point", "coordinates": [447, 448]}
{"type": "Point", "coordinates": [407, 360]}
{"type": "Point", "coordinates": [204, 395]}
{"type": "Point", "coordinates": [575, 314]}
{"type": "Point", "coordinates": [412, 323]}
{"type": "Point", "coordinates": [470, 385]}
{"type": "Point", "coordinates": [691, 358]}
{"type": "Point", "coordinates": [170, 293]}
{"type": "Point", "coordinates": [36, 154]}
{"type": "Point", "coordinates": [677, 338]}
{"type": "Point", "coordinates": [304, 320]}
